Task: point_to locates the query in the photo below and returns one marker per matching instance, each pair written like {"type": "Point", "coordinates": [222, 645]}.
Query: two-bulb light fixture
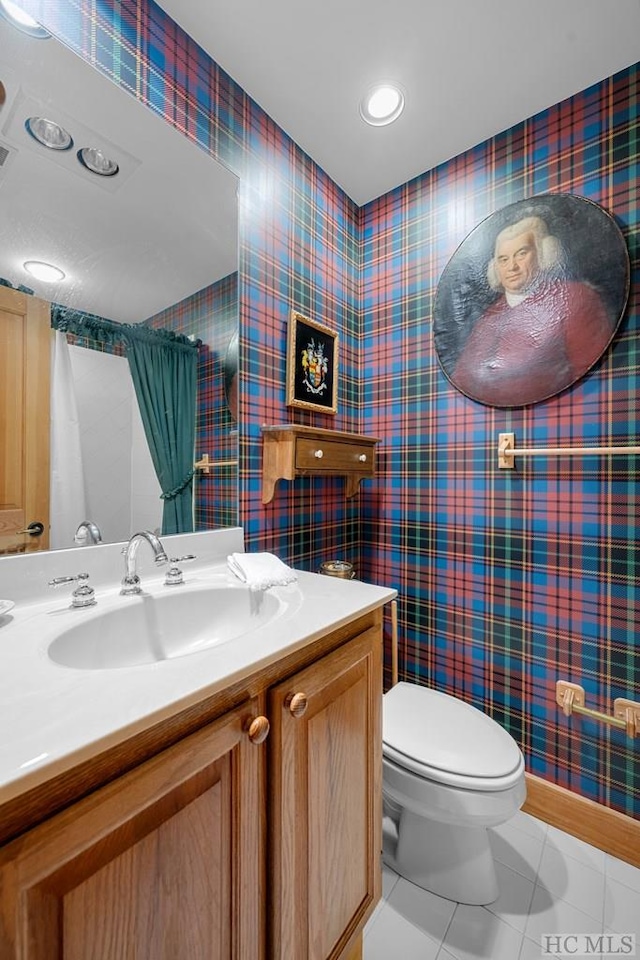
{"type": "Point", "coordinates": [55, 137]}
{"type": "Point", "coordinates": [382, 104]}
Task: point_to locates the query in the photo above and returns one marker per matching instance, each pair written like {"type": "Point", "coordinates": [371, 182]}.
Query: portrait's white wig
{"type": "Point", "coordinates": [548, 247]}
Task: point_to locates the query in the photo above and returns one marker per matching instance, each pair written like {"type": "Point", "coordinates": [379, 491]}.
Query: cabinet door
{"type": "Point", "coordinates": [325, 801]}
{"type": "Point", "coordinates": [165, 863]}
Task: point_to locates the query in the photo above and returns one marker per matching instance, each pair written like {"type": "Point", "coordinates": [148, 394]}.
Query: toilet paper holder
{"type": "Point", "coordinates": [626, 713]}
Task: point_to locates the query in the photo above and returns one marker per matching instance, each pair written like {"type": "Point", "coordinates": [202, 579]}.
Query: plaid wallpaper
{"type": "Point", "coordinates": [507, 580]}
{"type": "Point", "coordinates": [510, 580]}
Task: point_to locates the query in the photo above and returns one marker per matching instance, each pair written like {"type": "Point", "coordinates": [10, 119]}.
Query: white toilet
{"type": "Point", "coordinates": [449, 773]}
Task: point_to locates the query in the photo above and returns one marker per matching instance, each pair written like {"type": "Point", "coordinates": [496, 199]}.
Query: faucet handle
{"type": "Point", "coordinates": [83, 595]}
{"type": "Point", "coordinates": [58, 581]}
{"type": "Point", "coordinates": [174, 574]}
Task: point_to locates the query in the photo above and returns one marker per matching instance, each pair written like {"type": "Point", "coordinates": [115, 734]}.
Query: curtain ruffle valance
{"type": "Point", "coordinates": [89, 325]}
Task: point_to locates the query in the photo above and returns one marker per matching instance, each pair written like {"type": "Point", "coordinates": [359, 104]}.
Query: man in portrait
{"type": "Point", "coordinates": [542, 332]}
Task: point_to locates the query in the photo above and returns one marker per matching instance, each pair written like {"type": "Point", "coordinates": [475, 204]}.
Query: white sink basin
{"type": "Point", "coordinates": [149, 628]}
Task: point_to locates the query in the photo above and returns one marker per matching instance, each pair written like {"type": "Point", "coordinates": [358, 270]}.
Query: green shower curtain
{"type": "Point", "coordinates": [164, 378]}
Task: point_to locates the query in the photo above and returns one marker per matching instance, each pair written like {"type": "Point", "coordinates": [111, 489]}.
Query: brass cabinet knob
{"type": "Point", "coordinates": [297, 704]}
{"type": "Point", "coordinates": [258, 729]}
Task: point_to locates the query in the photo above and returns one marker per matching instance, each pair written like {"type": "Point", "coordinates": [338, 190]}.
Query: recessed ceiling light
{"type": "Point", "coordinates": [383, 104]}
{"type": "Point", "coordinates": [16, 15]}
{"type": "Point", "coordinates": [43, 271]}
{"type": "Point", "coordinates": [97, 162]}
{"type": "Point", "coordinates": [48, 133]}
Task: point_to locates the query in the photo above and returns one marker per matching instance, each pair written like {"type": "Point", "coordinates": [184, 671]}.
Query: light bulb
{"type": "Point", "coordinates": [382, 104]}
{"type": "Point", "coordinates": [44, 271]}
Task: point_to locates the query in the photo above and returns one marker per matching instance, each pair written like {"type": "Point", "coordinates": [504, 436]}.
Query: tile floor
{"type": "Point", "coordinates": [550, 883]}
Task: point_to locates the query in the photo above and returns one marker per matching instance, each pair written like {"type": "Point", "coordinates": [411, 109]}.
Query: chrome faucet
{"type": "Point", "coordinates": [83, 595]}
{"type": "Point", "coordinates": [87, 531]}
{"type": "Point", "coordinates": [131, 580]}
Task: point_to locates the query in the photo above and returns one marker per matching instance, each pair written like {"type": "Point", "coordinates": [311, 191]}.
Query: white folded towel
{"type": "Point", "coordinates": [260, 570]}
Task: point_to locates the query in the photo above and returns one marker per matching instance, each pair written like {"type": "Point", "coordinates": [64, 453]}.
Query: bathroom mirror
{"type": "Point", "coordinates": [148, 241]}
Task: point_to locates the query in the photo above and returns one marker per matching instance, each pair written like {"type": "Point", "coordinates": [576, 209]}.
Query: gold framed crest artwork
{"type": "Point", "coordinates": [312, 365]}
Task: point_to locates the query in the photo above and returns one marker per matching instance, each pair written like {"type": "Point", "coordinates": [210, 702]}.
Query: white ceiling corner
{"type": "Point", "coordinates": [469, 69]}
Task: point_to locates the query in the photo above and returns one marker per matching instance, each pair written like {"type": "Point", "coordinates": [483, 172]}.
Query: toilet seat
{"type": "Point", "coordinates": [437, 737]}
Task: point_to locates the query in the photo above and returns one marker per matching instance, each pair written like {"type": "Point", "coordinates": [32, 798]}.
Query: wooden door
{"type": "Point", "coordinates": [25, 347]}
{"type": "Point", "coordinates": [325, 802]}
{"type": "Point", "coordinates": [165, 863]}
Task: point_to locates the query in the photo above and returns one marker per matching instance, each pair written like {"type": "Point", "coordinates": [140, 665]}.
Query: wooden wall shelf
{"type": "Point", "coordinates": [291, 451]}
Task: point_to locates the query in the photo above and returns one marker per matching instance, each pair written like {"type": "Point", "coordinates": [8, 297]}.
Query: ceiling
{"type": "Point", "coordinates": [469, 69]}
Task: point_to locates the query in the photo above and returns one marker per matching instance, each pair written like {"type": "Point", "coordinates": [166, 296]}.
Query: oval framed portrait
{"type": "Point", "coordinates": [530, 300]}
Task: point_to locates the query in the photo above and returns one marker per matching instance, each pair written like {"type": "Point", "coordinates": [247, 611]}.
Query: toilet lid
{"type": "Point", "coordinates": [441, 733]}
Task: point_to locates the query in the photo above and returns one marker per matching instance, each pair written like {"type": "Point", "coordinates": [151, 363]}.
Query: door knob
{"type": "Point", "coordinates": [34, 529]}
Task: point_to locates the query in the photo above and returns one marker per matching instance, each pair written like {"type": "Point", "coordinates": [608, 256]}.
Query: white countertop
{"type": "Point", "coordinates": [52, 717]}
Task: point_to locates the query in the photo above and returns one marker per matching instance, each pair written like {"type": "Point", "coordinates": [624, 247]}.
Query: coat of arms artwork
{"type": "Point", "coordinates": [312, 365]}
{"type": "Point", "coordinates": [531, 300]}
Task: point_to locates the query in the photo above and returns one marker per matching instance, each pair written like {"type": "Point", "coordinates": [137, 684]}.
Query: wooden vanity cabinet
{"type": "Point", "coordinates": [164, 863]}
{"type": "Point", "coordinates": [325, 802]}
{"type": "Point", "coordinates": [220, 847]}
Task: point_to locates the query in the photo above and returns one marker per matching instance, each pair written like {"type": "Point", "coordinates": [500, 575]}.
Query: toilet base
{"type": "Point", "coordinates": [451, 861]}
